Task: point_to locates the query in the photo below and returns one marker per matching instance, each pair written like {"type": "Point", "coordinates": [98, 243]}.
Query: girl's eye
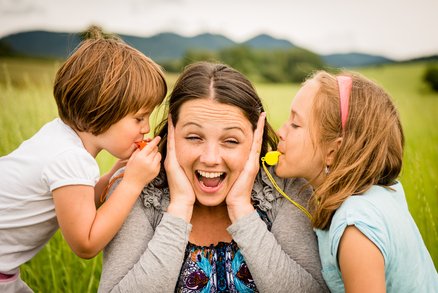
{"type": "Point", "coordinates": [293, 125]}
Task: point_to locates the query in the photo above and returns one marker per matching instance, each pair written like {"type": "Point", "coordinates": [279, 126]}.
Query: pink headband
{"type": "Point", "coordinates": [345, 83]}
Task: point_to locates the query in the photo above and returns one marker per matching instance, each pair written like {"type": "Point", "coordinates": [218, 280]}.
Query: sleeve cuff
{"type": "Point", "coordinates": [244, 222]}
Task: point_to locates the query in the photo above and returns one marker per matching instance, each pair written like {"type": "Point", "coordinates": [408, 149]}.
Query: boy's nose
{"type": "Point", "coordinates": [145, 128]}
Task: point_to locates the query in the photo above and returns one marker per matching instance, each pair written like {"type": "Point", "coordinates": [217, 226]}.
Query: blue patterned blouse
{"type": "Point", "coordinates": [216, 268]}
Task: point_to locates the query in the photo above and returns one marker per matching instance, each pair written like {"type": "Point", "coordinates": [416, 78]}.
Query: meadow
{"type": "Point", "coordinates": [26, 103]}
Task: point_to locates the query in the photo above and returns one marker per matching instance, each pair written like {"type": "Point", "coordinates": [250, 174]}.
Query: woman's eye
{"type": "Point", "coordinates": [231, 141]}
{"type": "Point", "coordinates": [193, 138]}
{"type": "Point", "coordinates": [294, 125]}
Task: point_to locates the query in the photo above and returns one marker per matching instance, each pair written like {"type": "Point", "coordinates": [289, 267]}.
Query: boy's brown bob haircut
{"type": "Point", "coordinates": [103, 81]}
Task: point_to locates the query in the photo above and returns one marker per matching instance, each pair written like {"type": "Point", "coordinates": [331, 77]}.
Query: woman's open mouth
{"type": "Point", "coordinates": [210, 181]}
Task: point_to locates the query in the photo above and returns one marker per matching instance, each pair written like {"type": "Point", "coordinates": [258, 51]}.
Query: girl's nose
{"type": "Point", "coordinates": [280, 133]}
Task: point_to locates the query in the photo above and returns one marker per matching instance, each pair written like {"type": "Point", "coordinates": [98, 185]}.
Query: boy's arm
{"type": "Point", "coordinates": [101, 185]}
{"type": "Point", "coordinates": [88, 230]}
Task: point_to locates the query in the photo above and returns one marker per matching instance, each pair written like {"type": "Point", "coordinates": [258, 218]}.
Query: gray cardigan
{"type": "Point", "coordinates": [147, 253]}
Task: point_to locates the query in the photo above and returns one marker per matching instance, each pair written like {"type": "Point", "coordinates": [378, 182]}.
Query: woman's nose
{"type": "Point", "coordinates": [210, 154]}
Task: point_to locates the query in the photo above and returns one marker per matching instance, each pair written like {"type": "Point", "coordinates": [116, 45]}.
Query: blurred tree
{"type": "Point", "coordinates": [6, 49]}
{"type": "Point", "coordinates": [431, 76]}
{"type": "Point", "coordinates": [193, 55]}
{"type": "Point", "coordinates": [290, 65]}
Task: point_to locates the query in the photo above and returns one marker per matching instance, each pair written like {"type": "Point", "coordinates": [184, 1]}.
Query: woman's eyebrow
{"type": "Point", "coordinates": [190, 123]}
{"type": "Point", "coordinates": [234, 127]}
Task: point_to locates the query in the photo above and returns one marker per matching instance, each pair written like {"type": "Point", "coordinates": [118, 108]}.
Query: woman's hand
{"type": "Point", "coordinates": [239, 197]}
{"type": "Point", "coordinates": [182, 196]}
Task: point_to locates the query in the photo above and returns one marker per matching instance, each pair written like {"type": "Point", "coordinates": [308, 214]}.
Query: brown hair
{"type": "Point", "coordinates": [103, 81]}
{"type": "Point", "coordinates": [371, 150]}
{"type": "Point", "coordinates": [205, 80]}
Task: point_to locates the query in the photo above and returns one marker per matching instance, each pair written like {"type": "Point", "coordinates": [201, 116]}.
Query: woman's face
{"type": "Point", "coordinates": [299, 157]}
{"type": "Point", "coordinates": [212, 142]}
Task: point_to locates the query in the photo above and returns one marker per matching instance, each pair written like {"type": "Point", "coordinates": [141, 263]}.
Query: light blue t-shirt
{"type": "Point", "coordinates": [381, 215]}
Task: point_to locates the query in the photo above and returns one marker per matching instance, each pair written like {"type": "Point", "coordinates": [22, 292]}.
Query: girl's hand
{"type": "Point", "coordinates": [182, 196]}
{"type": "Point", "coordinates": [143, 165]}
{"type": "Point", "coordinates": [239, 197]}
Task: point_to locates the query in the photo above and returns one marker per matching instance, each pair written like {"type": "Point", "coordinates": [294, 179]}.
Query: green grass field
{"type": "Point", "coordinates": [26, 103]}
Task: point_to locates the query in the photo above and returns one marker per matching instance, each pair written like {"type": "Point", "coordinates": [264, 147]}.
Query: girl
{"type": "Point", "coordinates": [344, 136]}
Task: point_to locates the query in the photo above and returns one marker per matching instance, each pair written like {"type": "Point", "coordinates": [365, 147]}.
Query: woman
{"type": "Point", "coordinates": [213, 222]}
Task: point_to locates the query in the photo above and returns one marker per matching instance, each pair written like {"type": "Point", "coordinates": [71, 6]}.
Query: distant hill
{"type": "Point", "coordinates": [42, 44]}
{"type": "Point", "coordinates": [354, 60]}
{"type": "Point", "coordinates": [424, 58]}
{"type": "Point", "coordinates": [164, 46]}
{"type": "Point", "coordinates": [264, 41]}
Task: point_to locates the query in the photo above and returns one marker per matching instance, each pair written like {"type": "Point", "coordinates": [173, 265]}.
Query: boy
{"type": "Point", "coordinates": [105, 92]}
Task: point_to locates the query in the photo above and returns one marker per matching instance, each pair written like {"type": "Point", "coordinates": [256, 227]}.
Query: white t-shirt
{"type": "Point", "coordinates": [52, 158]}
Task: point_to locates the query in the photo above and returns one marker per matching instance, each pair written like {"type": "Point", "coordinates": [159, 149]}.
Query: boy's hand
{"type": "Point", "coordinates": [143, 165]}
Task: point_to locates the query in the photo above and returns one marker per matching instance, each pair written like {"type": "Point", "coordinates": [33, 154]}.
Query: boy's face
{"type": "Point", "coordinates": [119, 140]}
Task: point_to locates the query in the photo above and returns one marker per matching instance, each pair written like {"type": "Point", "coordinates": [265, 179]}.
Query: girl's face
{"type": "Point", "coordinates": [212, 143]}
{"type": "Point", "coordinates": [299, 157]}
{"type": "Point", "coordinates": [119, 140]}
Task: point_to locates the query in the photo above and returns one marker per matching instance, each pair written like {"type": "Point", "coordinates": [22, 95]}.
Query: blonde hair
{"type": "Point", "coordinates": [103, 81]}
{"type": "Point", "coordinates": [371, 149]}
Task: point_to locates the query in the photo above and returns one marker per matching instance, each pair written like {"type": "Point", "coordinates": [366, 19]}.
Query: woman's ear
{"type": "Point", "coordinates": [332, 151]}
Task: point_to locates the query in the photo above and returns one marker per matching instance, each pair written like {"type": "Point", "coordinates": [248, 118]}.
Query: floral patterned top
{"type": "Point", "coordinates": [216, 268]}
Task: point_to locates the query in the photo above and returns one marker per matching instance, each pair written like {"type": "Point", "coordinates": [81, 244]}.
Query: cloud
{"type": "Point", "coordinates": [19, 7]}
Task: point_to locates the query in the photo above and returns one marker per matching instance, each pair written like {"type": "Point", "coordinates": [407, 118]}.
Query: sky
{"type": "Point", "coordinates": [397, 29]}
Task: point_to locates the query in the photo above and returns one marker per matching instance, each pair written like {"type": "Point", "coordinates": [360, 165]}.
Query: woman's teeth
{"type": "Point", "coordinates": [210, 174]}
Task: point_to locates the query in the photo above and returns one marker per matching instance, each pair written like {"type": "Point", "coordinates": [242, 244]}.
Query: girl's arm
{"type": "Point", "coordinates": [361, 263]}
{"type": "Point", "coordinates": [88, 230]}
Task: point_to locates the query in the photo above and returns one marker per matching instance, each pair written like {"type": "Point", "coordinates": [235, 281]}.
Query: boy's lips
{"type": "Point", "coordinates": [141, 144]}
